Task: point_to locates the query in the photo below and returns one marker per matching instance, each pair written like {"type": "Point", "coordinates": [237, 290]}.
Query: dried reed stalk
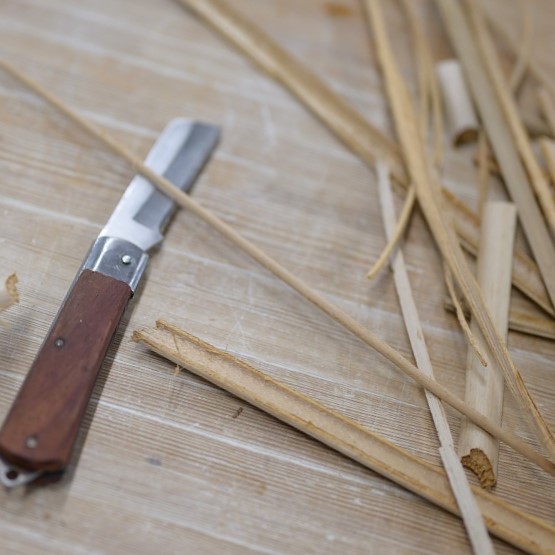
{"type": "Point", "coordinates": [484, 387]}
{"type": "Point", "coordinates": [426, 183]}
{"type": "Point", "coordinates": [185, 201]}
{"type": "Point", "coordinates": [468, 507]}
{"type": "Point", "coordinates": [514, 123]}
{"type": "Point", "coordinates": [9, 295]}
{"type": "Point", "coordinates": [349, 126]}
{"type": "Point", "coordinates": [340, 433]}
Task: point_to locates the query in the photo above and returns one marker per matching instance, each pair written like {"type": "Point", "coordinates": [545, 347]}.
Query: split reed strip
{"type": "Point", "coordinates": [9, 295]}
{"type": "Point", "coordinates": [426, 183]}
{"type": "Point", "coordinates": [468, 507]}
{"type": "Point", "coordinates": [348, 125]}
{"type": "Point", "coordinates": [341, 433]}
{"type": "Point", "coordinates": [484, 387]}
{"type": "Point", "coordinates": [520, 137]}
{"type": "Point", "coordinates": [257, 254]}
{"type": "Point", "coordinates": [523, 321]}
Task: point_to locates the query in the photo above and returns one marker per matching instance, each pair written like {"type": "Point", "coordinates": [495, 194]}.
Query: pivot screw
{"type": "Point", "coordinates": [31, 442]}
{"type": "Point", "coordinates": [126, 259]}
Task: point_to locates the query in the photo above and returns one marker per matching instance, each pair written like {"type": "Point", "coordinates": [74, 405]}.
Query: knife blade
{"type": "Point", "coordinates": [39, 431]}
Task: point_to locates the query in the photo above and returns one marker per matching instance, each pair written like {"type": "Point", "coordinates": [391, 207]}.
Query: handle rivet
{"type": "Point", "coordinates": [59, 343]}
{"type": "Point", "coordinates": [126, 259]}
{"type": "Point", "coordinates": [31, 442]}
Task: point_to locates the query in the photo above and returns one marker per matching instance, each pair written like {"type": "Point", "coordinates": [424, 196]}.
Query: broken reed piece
{"type": "Point", "coordinates": [364, 140]}
{"type": "Point", "coordinates": [395, 237]}
{"type": "Point", "coordinates": [9, 295]}
{"type": "Point", "coordinates": [500, 135]}
{"type": "Point", "coordinates": [426, 182]}
{"type": "Point", "coordinates": [459, 312]}
{"type": "Point", "coordinates": [520, 137]}
{"type": "Point", "coordinates": [523, 321]}
{"type": "Point", "coordinates": [484, 386]}
{"type": "Point", "coordinates": [462, 119]}
{"type": "Point", "coordinates": [468, 507]}
{"type": "Point", "coordinates": [257, 254]}
{"type": "Point", "coordinates": [340, 433]}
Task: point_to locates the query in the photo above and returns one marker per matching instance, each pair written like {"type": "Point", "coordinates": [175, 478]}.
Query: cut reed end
{"type": "Point", "coordinates": [10, 295]}
{"type": "Point", "coordinates": [479, 463]}
{"type": "Point", "coordinates": [465, 136]}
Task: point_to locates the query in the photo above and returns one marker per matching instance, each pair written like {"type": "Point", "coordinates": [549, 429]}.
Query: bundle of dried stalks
{"type": "Point", "coordinates": [427, 184]}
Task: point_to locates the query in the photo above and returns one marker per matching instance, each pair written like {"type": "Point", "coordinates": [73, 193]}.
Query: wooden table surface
{"type": "Point", "coordinates": [166, 462]}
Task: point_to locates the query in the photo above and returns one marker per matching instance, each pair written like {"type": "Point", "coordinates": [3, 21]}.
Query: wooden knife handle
{"type": "Point", "coordinates": [41, 427]}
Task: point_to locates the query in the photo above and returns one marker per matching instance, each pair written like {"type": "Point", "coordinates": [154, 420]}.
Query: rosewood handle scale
{"type": "Point", "coordinates": [41, 427]}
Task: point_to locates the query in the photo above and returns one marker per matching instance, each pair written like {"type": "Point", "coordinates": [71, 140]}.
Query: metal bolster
{"type": "Point", "coordinates": [117, 258]}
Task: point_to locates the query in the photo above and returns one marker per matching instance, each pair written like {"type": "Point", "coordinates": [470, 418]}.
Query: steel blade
{"type": "Point", "coordinates": [179, 155]}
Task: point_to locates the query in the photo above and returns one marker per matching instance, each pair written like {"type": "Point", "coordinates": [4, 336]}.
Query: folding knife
{"type": "Point", "coordinates": [40, 429]}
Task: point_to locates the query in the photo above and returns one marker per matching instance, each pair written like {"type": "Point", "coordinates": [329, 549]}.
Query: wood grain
{"type": "Point", "coordinates": [168, 462]}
